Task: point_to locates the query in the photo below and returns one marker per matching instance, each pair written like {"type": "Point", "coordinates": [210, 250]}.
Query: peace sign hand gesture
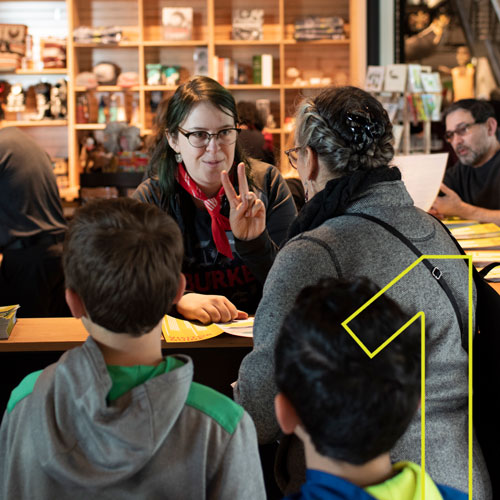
{"type": "Point", "coordinates": [248, 213]}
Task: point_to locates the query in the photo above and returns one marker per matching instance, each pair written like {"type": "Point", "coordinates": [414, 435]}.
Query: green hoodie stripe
{"type": "Point", "coordinates": [214, 404]}
{"type": "Point", "coordinates": [25, 388]}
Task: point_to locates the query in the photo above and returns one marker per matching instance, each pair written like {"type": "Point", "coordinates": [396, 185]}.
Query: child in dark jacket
{"type": "Point", "coordinates": [348, 407]}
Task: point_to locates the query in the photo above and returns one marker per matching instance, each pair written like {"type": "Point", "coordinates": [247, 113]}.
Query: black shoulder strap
{"type": "Point", "coordinates": [435, 271]}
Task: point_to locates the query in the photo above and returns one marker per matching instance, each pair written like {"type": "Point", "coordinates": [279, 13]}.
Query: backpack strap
{"type": "Point", "coordinates": [434, 270]}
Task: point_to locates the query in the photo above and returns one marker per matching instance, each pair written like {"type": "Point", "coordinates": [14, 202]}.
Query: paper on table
{"type": "Point", "coordinates": [452, 222]}
{"type": "Point", "coordinates": [422, 175]}
{"type": "Point", "coordinates": [476, 231]}
{"type": "Point", "coordinates": [180, 330]}
{"type": "Point", "coordinates": [238, 327]}
{"type": "Point", "coordinates": [481, 243]}
{"type": "Point", "coordinates": [484, 256]}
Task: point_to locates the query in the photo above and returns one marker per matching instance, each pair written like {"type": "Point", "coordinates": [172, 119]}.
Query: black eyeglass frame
{"type": "Point", "coordinates": [461, 130]}
{"type": "Point", "coordinates": [288, 152]}
{"type": "Point", "coordinates": [187, 135]}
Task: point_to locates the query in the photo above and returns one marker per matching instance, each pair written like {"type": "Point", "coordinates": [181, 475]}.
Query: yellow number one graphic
{"type": "Point", "coordinates": [421, 315]}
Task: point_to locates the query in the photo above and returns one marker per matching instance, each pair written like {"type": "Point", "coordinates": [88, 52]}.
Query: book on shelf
{"type": "Point", "coordinates": [262, 69]}
{"type": "Point", "coordinates": [267, 69]}
{"type": "Point", "coordinates": [415, 78]}
{"type": "Point", "coordinates": [419, 107]}
{"type": "Point", "coordinates": [257, 69]}
{"type": "Point", "coordinates": [374, 78]}
{"type": "Point", "coordinates": [319, 28]}
{"type": "Point", "coordinates": [432, 106]}
{"type": "Point", "coordinates": [247, 24]}
{"type": "Point", "coordinates": [395, 78]}
{"type": "Point", "coordinates": [397, 133]}
{"type": "Point", "coordinates": [177, 23]}
{"type": "Point", "coordinates": [412, 111]}
{"type": "Point", "coordinates": [392, 109]}
{"type": "Point", "coordinates": [431, 82]}
{"type": "Point", "coordinates": [225, 70]}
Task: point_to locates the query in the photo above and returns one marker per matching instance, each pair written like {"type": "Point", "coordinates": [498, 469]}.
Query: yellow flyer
{"type": "Point", "coordinates": [179, 330]}
{"type": "Point", "coordinates": [476, 231]}
{"type": "Point", "coordinates": [493, 242]}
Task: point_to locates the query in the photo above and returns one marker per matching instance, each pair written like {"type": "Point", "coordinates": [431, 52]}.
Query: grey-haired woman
{"type": "Point", "coordinates": [343, 149]}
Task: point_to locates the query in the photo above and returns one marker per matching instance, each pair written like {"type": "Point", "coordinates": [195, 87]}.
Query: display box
{"type": "Point", "coordinates": [177, 23]}
{"type": "Point", "coordinates": [247, 24]}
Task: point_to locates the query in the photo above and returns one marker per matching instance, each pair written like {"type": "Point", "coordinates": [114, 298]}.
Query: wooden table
{"type": "Point", "coordinates": [37, 342]}
{"type": "Point", "coordinates": [60, 334]}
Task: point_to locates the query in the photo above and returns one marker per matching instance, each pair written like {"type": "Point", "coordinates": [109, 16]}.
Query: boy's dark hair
{"type": "Point", "coordinates": [354, 408]}
{"type": "Point", "coordinates": [123, 258]}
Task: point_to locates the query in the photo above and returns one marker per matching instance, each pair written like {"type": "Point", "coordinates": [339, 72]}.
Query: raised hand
{"type": "Point", "coordinates": [248, 213]}
{"type": "Point", "coordinates": [208, 308]}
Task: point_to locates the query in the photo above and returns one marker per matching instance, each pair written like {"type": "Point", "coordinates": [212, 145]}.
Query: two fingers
{"type": "Point", "coordinates": [232, 196]}
{"type": "Point", "coordinates": [247, 201]}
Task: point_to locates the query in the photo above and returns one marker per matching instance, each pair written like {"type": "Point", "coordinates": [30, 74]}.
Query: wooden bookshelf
{"type": "Point", "coordinates": [142, 43]}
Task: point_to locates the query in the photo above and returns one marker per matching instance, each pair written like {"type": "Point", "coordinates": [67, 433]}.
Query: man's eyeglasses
{"type": "Point", "coordinates": [461, 130]}
{"type": "Point", "coordinates": [201, 138]}
{"type": "Point", "coordinates": [293, 156]}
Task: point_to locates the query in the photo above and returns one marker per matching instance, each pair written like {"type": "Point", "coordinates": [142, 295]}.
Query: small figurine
{"type": "Point", "coordinates": [463, 75]}
{"type": "Point", "coordinates": [15, 99]}
{"type": "Point", "coordinates": [43, 91]}
{"type": "Point", "coordinates": [58, 100]}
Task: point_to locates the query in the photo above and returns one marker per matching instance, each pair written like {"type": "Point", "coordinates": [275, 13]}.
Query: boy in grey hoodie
{"type": "Point", "coordinates": [114, 418]}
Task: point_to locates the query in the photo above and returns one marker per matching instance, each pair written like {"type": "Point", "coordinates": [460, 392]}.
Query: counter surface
{"type": "Point", "coordinates": [60, 334]}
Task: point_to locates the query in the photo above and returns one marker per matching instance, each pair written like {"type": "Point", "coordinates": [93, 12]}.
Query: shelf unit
{"type": "Point", "coordinates": [341, 60]}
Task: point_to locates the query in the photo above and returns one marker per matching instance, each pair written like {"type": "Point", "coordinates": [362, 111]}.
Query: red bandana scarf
{"type": "Point", "coordinates": [220, 223]}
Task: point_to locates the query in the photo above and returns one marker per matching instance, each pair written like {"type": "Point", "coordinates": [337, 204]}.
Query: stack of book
{"type": "Point", "coordinates": [319, 28]}
{"type": "Point", "coordinates": [104, 35]}
{"type": "Point", "coordinates": [225, 70]}
{"type": "Point", "coordinates": [7, 320]}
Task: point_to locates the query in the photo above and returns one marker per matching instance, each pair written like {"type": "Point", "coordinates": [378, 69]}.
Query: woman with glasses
{"type": "Point", "coordinates": [231, 234]}
{"type": "Point", "coordinates": [343, 151]}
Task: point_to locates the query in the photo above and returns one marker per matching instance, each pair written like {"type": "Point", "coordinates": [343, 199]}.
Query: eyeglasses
{"type": "Point", "coordinates": [293, 156]}
{"type": "Point", "coordinates": [201, 138]}
{"type": "Point", "coordinates": [461, 130]}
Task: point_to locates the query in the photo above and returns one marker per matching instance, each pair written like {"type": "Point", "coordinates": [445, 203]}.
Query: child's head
{"type": "Point", "coordinates": [353, 408]}
{"type": "Point", "coordinates": [123, 259]}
